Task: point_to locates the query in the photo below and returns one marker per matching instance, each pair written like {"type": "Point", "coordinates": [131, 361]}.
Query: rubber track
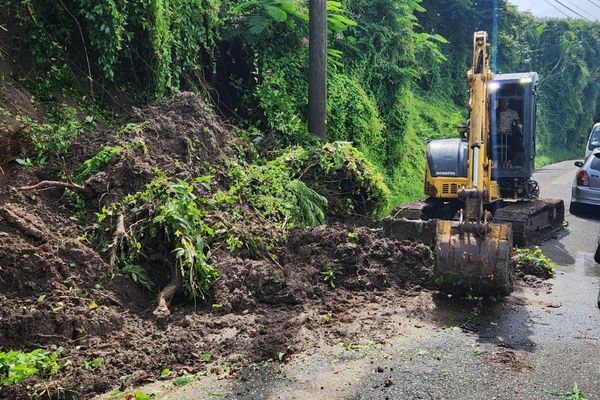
{"type": "Point", "coordinates": [533, 221]}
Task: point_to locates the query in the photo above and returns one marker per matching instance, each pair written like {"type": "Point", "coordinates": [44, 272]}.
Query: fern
{"type": "Point", "coordinates": [310, 205]}
{"type": "Point", "coordinates": [277, 13]}
{"type": "Point", "coordinates": [96, 163]}
{"type": "Point", "coordinates": [257, 24]}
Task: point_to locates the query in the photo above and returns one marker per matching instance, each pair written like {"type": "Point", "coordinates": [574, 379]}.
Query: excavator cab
{"type": "Point", "coordinates": [512, 127]}
{"type": "Point", "coordinates": [511, 144]}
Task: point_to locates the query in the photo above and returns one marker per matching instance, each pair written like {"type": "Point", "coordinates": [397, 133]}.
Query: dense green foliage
{"type": "Point", "coordinates": [53, 137]}
{"type": "Point", "coordinates": [96, 163]}
{"type": "Point", "coordinates": [153, 46]}
{"type": "Point", "coordinates": [343, 176]}
{"type": "Point", "coordinates": [396, 68]}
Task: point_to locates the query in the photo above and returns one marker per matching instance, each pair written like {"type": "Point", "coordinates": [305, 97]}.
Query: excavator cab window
{"type": "Point", "coordinates": [507, 135]}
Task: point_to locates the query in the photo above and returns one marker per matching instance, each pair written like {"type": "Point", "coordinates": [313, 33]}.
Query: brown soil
{"type": "Point", "coordinates": [13, 100]}
{"type": "Point", "coordinates": [515, 361]}
{"type": "Point", "coordinates": [55, 287]}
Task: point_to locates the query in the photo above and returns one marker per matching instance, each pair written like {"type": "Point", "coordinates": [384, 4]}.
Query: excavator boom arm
{"type": "Point", "coordinates": [477, 191]}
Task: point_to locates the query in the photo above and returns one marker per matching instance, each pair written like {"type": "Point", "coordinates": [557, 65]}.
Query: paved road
{"type": "Point", "coordinates": [536, 344]}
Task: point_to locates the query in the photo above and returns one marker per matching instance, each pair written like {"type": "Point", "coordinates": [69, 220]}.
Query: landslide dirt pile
{"type": "Point", "coordinates": [180, 136]}
{"type": "Point", "coordinates": [318, 260]}
{"type": "Point", "coordinates": [56, 288]}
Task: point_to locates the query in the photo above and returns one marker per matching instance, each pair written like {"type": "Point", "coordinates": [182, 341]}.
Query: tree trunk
{"type": "Point", "coordinates": [317, 76]}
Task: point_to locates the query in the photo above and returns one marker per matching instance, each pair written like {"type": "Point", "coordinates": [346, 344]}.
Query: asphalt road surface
{"type": "Point", "coordinates": [537, 344]}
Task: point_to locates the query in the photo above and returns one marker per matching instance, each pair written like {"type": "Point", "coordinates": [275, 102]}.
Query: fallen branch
{"type": "Point", "coordinates": [109, 298]}
{"type": "Point", "coordinates": [24, 226]}
{"type": "Point", "coordinates": [164, 297]}
{"type": "Point", "coordinates": [54, 185]}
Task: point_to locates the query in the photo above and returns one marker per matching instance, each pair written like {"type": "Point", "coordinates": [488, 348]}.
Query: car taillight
{"type": "Point", "coordinates": [583, 179]}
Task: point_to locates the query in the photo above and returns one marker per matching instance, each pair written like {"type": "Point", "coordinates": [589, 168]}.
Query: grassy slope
{"type": "Point", "coordinates": [431, 118]}
{"type": "Point", "coordinates": [550, 157]}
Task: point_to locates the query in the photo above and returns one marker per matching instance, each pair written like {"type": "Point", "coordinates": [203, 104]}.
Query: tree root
{"type": "Point", "coordinates": [24, 226]}
{"type": "Point", "coordinates": [119, 235]}
{"type": "Point", "coordinates": [54, 185]}
{"type": "Point", "coordinates": [161, 312]}
{"type": "Point", "coordinates": [164, 297]}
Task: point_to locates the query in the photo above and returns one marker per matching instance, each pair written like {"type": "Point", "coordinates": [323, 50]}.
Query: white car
{"type": "Point", "coordinates": [593, 141]}
{"type": "Point", "coordinates": [586, 186]}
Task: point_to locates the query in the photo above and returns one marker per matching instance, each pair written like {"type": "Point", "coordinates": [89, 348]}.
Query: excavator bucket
{"type": "Point", "coordinates": [476, 261]}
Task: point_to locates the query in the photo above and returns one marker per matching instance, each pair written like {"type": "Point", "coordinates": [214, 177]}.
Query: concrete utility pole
{"type": "Point", "coordinates": [317, 74]}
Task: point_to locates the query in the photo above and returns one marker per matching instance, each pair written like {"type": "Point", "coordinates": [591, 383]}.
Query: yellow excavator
{"type": "Point", "coordinates": [481, 195]}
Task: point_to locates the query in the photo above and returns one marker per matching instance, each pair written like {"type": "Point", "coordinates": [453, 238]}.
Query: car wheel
{"type": "Point", "coordinates": [576, 208]}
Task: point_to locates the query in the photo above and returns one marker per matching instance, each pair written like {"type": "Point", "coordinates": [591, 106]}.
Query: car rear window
{"type": "Point", "coordinates": [595, 164]}
{"type": "Point", "coordinates": [594, 139]}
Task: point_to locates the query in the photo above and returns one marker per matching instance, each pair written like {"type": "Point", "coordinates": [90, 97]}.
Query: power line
{"type": "Point", "coordinates": [594, 3]}
{"type": "Point", "coordinates": [558, 9]}
{"type": "Point", "coordinates": [583, 10]}
{"type": "Point", "coordinates": [573, 11]}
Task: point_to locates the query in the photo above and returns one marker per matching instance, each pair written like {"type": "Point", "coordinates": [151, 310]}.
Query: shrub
{"type": "Point", "coordinates": [341, 173]}
{"type": "Point", "coordinates": [53, 138]}
{"type": "Point", "coordinates": [96, 163]}
{"type": "Point", "coordinates": [170, 209]}
{"type": "Point", "coordinates": [310, 206]}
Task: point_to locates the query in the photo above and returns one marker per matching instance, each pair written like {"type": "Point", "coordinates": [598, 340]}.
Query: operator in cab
{"type": "Point", "coordinates": [510, 130]}
{"type": "Point", "coordinates": [509, 121]}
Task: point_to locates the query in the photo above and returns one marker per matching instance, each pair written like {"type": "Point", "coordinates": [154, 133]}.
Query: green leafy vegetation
{"type": "Point", "coordinates": [139, 395]}
{"type": "Point", "coordinates": [475, 311]}
{"type": "Point", "coordinates": [574, 394]}
{"type": "Point", "coordinates": [183, 380]}
{"type": "Point", "coordinates": [330, 273]}
{"type": "Point", "coordinates": [96, 163]}
{"type": "Point", "coordinates": [169, 42]}
{"type": "Point", "coordinates": [169, 209]}
{"type": "Point", "coordinates": [16, 366]}
{"type": "Point", "coordinates": [534, 262]}
{"type": "Point", "coordinates": [165, 373]}
{"type": "Point", "coordinates": [138, 274]}
{"type": "Point", "coordinates": [310, 206]}
{"type": "Point", "coordinates": [93, 364]}
{"type": "Point", "coordinates": [341, 174]}
{"type": "Point", "coordinates": [53, 137]}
